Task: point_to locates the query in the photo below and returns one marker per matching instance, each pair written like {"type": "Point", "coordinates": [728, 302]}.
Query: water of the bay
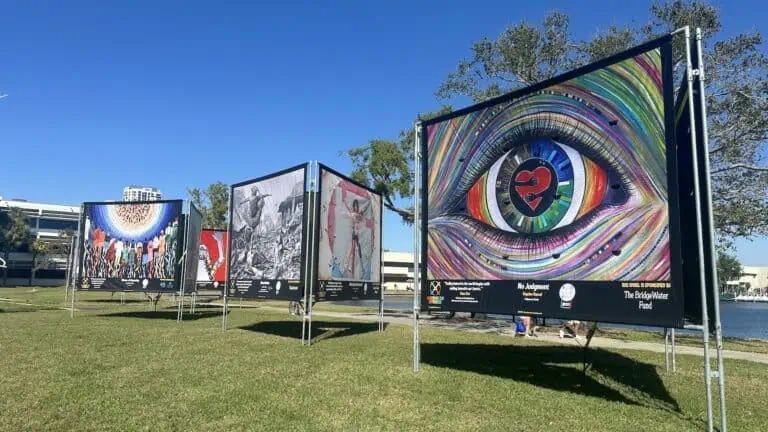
{"type": "Point", "coordinates": [739, 319]}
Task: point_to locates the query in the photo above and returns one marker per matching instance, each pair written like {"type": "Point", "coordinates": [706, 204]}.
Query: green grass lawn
{"type": "Point", "coordinates": [121, 367]}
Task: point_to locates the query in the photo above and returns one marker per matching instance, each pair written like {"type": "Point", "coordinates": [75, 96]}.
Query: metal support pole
{"type": "Point", "coordinates": [224, 317]}
{"type": "Point", "coordinates": [76, 267]}
{"type": "Point", "coordinates": [72, 308]}
{"type": "Point", "coordinates": [715, 291]}
{"type": "Point", "coordinates": [314, 184]}
{"type": "Point", "coordinates": [666, 349]}
{"type": "Point", "coordinates": [416, 245]}
{"type": "Point", "coordinates": [70, 260]}
{"type": "Point", "coordinates": [309, 326]}
{"type": "Point", "coordinates": [306, 316]}
{"type": "Point", "coordinates": [229, 262]}
{"type": "Point", "coordinates": [74, 285]}
{"type": "Point", "coordinates": [381, 312]}
{"type": "Point", "coordinates": [306, 263]}
{"type": "Point", "coordinates": [699, 233]}
{"type": "Point", "coordinates": [674, 354]}
{"type": "Point", "coordinates": [181, 306]}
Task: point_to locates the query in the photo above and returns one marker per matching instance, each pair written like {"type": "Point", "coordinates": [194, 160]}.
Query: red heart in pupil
{"type": "Point", "coordinates": [532, 183]}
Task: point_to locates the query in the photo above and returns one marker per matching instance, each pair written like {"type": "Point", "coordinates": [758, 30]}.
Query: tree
{"type": "Point", "coordinates": [213, 203]}
{"type": "Point", "coordinates": [385, 166]}
{"type": "Point", "coordinates": [14, 233]}
{"type": "Point", "coordinates": [527, 53]}
{"type": "Point", "coordinates": [63, 246]}
{"type": "Point", "coordinates": [37, 248]}
{"type": "Point", "coordinates": [728, 267]}
{"type": "Point", "coordinates": [736, 85]}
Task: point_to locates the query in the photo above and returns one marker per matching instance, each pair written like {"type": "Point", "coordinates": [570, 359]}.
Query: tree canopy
{"type": "Point", "coordinates": [728, 267]}
{"type": "Point", "coordinates": [14, 232]}
{"type": "Point", "coordinates": [526, 53]}
{"type": "Point", "coordinates": [213, 203]}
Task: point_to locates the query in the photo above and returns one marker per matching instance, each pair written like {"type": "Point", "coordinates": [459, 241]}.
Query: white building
{"type": "Point", "coordinates": [754, 279]}
{"type": "Point", "coordinates": [397, 271]}
{"type": "Point", "coordinates": [141, 193]}
{"type": "Point", "coordinates": [46, 222]}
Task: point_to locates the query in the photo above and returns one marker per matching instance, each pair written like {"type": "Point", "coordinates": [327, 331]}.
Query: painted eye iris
{"type": "Point", "coordinates": [540, 186]}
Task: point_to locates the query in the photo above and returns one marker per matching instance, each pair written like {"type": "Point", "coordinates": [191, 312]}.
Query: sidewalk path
{"type": "Point", "coordinates": [505, 329]}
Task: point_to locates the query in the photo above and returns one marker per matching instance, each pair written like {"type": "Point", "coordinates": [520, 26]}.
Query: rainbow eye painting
{"type": "Point", "coordinates": [566, 182]}
{"type": "Point", "coordinates": [538, 187]}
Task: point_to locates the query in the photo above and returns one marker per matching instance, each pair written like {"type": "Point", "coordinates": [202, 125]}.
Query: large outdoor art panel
{"type": "Point", "coordinates": [557, 200]}
{"type": "Point", "coordinates": [266, 236]}
{"type": "Point", "coordinates": [131, 246]}
{"type": "Point", "coordinates": [349, 239]}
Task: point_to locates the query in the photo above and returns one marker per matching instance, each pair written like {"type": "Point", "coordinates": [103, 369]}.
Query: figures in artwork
{"type": "Point", "coordinates": [354, 258]}
{"type": "Point", "coordinates": [212, 257]}
{"type": "Point", "coordinates": [115, 246]}
{"type": "Point", "coordinates": [266, 228]}
{"type": "Point", "coordinates": [350, 230]}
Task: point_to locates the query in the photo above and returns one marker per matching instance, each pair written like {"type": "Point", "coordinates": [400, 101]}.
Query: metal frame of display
{"type": "Point", "coordinates": [418, 190]}
{"type": "Point", "coordinates": [76, 262]}
{"type": "Point", "coordinates": [70, 260]}
{"type": "Point", "coordinates": [309, 274]}
{"type": "Point", "coordinates": [691, 76]}
{"type": "Point", "coordinates": [707, 287]}
{"type": "Point", "coordinates": [226, 276]}
{"type": "Point", "coordinates": [181, 294]}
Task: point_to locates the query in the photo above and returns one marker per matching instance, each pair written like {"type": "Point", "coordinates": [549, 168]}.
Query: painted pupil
{"type": "Point", "coordinates": [541, 185]}
{"type": "Point", "coordinates": [534, 186]}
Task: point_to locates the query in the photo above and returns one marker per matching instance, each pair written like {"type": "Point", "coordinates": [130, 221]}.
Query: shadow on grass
{"type": "Point", "coordinates": [206, 307]}
{"type": "Point", "coordinates": [29, 309]}
{"type": "Point", "coordinates": [117, 301]}
{"type": "Point", "coordinates": [320, 329]}
{"type": "Point", "coordinates": [163, 314]}
{"type": "Point", "coordinates": [559, 368]}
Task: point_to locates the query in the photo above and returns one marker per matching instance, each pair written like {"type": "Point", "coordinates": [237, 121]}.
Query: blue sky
{"type": "Point", "coordinates": [182, 94]}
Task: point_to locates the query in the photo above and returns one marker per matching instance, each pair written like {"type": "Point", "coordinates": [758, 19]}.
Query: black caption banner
{"type": "Point", "coordinates": [127, 285]}
{"type": "Point", "coordinates": [629, 302]}
{"type": "Point", "coordinates": [282, 289]}
{"type": "Point", "coordinates": [347, 290]}
{"type": "Point", "coordinates": [210, 286]}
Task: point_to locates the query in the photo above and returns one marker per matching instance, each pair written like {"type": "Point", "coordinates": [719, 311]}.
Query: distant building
{"type": "Point", "coordinates": [397, 271]}
{"type": "Point", "coordinates": [753, 279]}
{"type": "Point", "coordinates": [141, 193]}
{"type": "Point", "coordinates": [46, 222]}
